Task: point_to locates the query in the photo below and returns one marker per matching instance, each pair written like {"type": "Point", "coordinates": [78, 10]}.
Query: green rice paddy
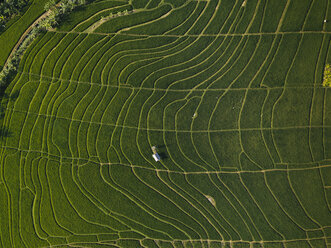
{"type": "Point", "coordinates": [229, 91]}
{"type": "Point", "coordinates": [16, 28]}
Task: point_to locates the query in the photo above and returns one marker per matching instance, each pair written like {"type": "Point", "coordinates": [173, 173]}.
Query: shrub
{"type": "Point", "coordinates": [10, 8]}
{"type": "Point", "coordinates": [49, 22]}
{"type": "Point", "coordinates": [49, 5]}
{"type": "Point", "coordinates": [327, 76]}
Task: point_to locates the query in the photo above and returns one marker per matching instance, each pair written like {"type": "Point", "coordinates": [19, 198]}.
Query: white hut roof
{"type": "Point", "coordinates": [156, 157]}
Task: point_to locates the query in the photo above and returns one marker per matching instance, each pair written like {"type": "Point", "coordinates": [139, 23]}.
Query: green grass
{"type": "Point", "coordinates": [232, 96]}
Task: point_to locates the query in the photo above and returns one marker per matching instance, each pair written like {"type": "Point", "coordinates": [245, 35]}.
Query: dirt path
{"type": "Point", "coordinates": [105, 19]}
{"type": "Point", "coordinates": [25, 34]}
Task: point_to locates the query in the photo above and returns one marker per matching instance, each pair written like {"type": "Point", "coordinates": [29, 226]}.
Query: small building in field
{"type": "Point", "coordinates": [155, 155]}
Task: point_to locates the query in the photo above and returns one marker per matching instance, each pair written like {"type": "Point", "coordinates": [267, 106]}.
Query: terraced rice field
{"type": "Point", "coordinates": [231, 94]}
{"type": "Point", "coordinates": [17, 26]}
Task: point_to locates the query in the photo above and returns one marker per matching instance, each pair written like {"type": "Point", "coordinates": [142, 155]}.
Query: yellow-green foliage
{"type": "Point", "coordinates": [327, 75]}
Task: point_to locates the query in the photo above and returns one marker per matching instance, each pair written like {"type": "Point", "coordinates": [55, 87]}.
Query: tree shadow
{"type": "Point", "coordinates": [163, 155]}
{"type": "Point", "coordinates": [67, 18]}
{"type": "Point", "coordinates": [3, 94]}
{"type": "Point", "coordinates": [160, 146]}
{"type": "Point", "coordinates": [4, 98]}
{"type": "Point", "coordinates": [162, 151]}
{"type": "Point", "coordinates": [2, 112]}
{"type": "Point", "coordinates": [5, 132]}
{"type": "Point", "coordinates": [13, 96]}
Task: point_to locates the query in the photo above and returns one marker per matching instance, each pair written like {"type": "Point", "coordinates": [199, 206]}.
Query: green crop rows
{"type": "Point", "coordinates": [12, 34]}
{"type": "Point", "coordinates": [230, 93]}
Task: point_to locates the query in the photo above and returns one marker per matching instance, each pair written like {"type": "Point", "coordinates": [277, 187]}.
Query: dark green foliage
{"type": "Point", "coordinates": [10, 8]}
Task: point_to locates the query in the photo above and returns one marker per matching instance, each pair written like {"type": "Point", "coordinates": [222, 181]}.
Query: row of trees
{"type": "Point", "coordinates": [10, 68]}
{"type": "Point", "coordinates": [9, 8]}
{"type": "Point", "coordinates": [56, 12]}
{"type": "Point", "coordinates": [112, 15]}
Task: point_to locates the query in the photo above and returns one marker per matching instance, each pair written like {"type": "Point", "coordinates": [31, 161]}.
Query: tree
{"type": "Point", "coordinates": [49, 5]}
{"type": "Point", "coordinates": [327, 76]}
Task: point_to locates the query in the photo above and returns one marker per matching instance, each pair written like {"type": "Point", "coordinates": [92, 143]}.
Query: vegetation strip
{"type": "Point", "coordinates": [45, 21]}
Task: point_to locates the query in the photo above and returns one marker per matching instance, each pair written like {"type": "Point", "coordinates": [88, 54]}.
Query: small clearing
{"type": "Point", "coordinates": [211, 200]}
